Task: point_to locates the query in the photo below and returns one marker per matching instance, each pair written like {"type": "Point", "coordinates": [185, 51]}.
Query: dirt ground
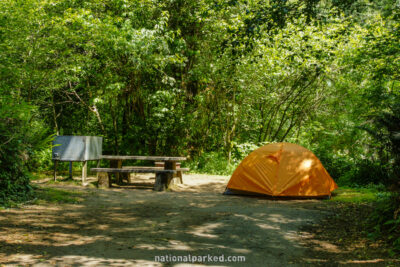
{"type": "Point", "coordinates": [132, 225]}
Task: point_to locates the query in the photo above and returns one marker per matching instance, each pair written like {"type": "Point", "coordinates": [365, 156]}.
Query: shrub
{"type": "Point", "coordinates": [20, 135]}
{"type": "Point", "coordinates": [348, 171]}
{"type": "Point", "coordinates": [41, 160]}
{"type": "Point", "coordinates": [384, 222]}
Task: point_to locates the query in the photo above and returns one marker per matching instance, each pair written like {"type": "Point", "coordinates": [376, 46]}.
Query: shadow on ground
{"type": "Point", "coordinates": [122, 227]}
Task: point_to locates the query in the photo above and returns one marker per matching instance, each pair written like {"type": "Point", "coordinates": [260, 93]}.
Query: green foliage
{"type": "Point", "coordinates": [217, 163]}
{"type": "Point", "coordinates": [41, 159]}
{"type": "Point", "coordinates": [212, 163]}
{"type": "Point", "coordinates": [14, 178]}
{"type": "Point", "coordinates": [386, 130]}
{"type": "Point", "coordinates": [354, 171]}
{"type": "Point", "coordinates": [213, 80]}
{"type": "Point", "coordinates": [240, 151]}
{"type": "Point", "coordinates": [365, 172]}
{"type": "Point", "coordinates": [208, 79]}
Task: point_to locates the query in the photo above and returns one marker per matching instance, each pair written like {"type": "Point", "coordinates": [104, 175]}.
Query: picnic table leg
{"type": "Point", "coordinates": [161, 182]}
{"type": "Point", "coordinates": [118, 176]}
{"type": "Point", "coordinates": [84, 172]}
{"type": "Point", "coordinates": [70, 170]}
{"type": "Point", "coordinates": [55, 169]}
{"type": "Point", "coordinates": [178, 174]}
{"type": "Point", "coordinates": [175, 177]}
{"type": "Point", "coordinates": [116, 164]}
{"type": "Point", "coordinates": [170, 165]}
{"type": "Point", "coordinates": [174, 168]}
{"type": "Point", "coordinates": [103, 180]}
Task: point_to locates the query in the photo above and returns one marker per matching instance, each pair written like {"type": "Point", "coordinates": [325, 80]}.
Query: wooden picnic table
{"type": "Point", "coordinates": [170, 163]}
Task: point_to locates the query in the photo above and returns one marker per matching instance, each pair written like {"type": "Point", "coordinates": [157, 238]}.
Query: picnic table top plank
{"type": "Point", "coordinates": [142, 167]}
{"type": "Point", "coordinates": [128, 170]}
{"type": "Point", "coordinates": [155, 158]}
{"type": "Point", "coordinates": [138, 169]}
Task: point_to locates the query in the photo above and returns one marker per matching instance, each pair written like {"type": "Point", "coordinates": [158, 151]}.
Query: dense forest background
{"type": "Point", "coordinates": [208, 79]}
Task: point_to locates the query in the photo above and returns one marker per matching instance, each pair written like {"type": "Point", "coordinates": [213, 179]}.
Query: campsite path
{"type": "Point", "coordinates": [125, 227]}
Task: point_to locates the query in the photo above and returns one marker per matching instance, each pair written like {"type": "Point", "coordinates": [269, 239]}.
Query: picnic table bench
{"type": "Point", "coordinates": [164, 175]}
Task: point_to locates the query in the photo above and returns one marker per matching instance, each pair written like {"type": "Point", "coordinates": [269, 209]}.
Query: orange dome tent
{"type": "Point", "coordinates": [281, 169]}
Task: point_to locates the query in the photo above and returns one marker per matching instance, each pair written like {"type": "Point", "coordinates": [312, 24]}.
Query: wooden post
{"type": "Point", "coordinates": [55, 169]}
{"type": "Point", "coordinates": [84, 172]}
{"type": "Point", "coordinates": [170, 165]}
{"type": "Point", "coordinates": [103, 180]}
{"type": "Point", "coordinates": [70, 170]}
{"type": "Point", "coordinates": [175, 178]}
{"type": "Point", "coordinates": [179, 173]}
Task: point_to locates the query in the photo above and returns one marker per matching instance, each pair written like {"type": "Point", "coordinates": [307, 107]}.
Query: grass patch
{"type": "Point", "coordinates": [61, 175]}
{"type": "Point", "coordinates": [356, 195]}
{"type": "Point", "coordinates": [64, 181]}
{"type": "Point", "coordinates": [62, 178]}
{"type": "Point", "coordinates": [53, 195]}
{"type": "Point", "coordinates": [40, 175]}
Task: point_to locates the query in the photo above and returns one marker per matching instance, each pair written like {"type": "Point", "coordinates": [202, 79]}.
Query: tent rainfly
{"type": "Point", "coordinates": [281, 170]}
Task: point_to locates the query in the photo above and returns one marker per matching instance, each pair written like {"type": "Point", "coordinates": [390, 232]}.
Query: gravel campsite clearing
{"type": "Point", "coordinates": [135, 226]}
